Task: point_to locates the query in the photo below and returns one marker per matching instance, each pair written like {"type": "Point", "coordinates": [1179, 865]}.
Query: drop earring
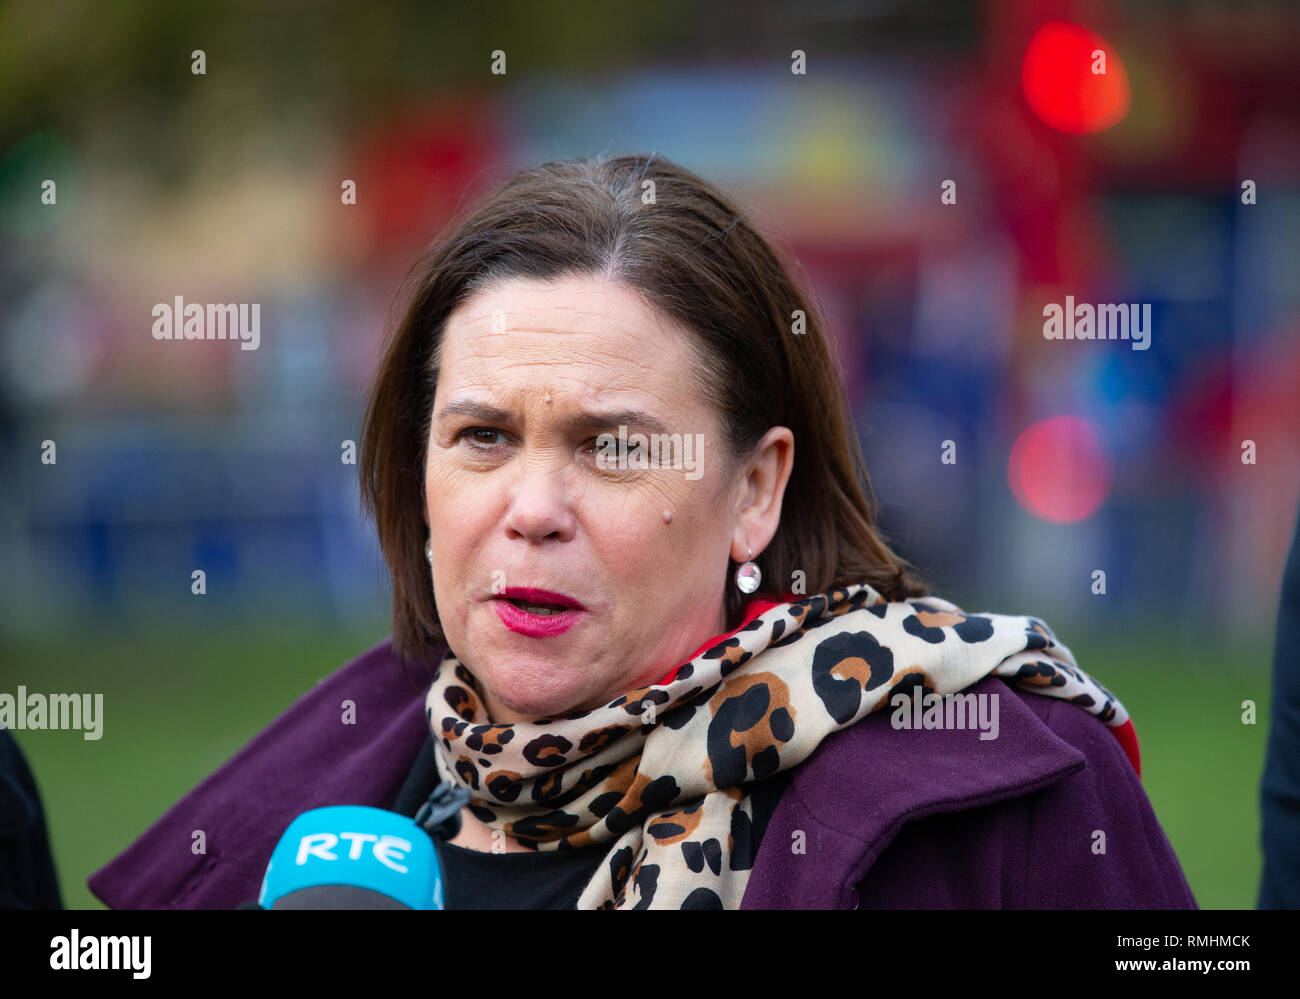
{"type": "Point", "coordinates": [748, 575]}
{"type": "Point", "coordinates": [428, 553]}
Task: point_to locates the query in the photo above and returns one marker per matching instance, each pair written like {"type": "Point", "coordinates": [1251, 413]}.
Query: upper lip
{"type": "Point", "coordinates": [532, 596]}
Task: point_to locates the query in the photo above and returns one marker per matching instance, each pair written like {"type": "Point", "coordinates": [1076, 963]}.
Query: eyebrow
{"type": "Point", "coordinates": [583, 420]}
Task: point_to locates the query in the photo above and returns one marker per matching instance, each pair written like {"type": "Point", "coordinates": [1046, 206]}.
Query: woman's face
{"type": "Point", "coordinates": [531, 374]}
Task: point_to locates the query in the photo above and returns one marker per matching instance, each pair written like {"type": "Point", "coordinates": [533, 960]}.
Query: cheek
{"type": "Point", "coordinates": [646, 554]}
{"type": "Point", "coordinates": [450, 489]}
{"type": "Point", "coordinates": [441, 483]}
{"type": "Point", "coordinates": [458, 515]}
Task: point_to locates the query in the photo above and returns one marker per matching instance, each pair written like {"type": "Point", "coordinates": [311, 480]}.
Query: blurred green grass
{"type": "Point", "coordinates": [176, 706]}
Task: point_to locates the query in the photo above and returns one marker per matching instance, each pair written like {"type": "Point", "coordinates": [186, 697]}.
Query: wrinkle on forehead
{"type": "Point", "coordinates": [596, 336]}
{"type": "Point", "coordinates": [576, 303]}
{"type": "Point", "coordinates": [614, 336]}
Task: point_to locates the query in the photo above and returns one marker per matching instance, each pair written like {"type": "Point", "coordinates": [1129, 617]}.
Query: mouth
{"type": "Point", "coordinates": [537, 613]}
{"type": "Point", "coordinates": [540, 602]}
{"type": "Point", "coordinates": [541, 610]}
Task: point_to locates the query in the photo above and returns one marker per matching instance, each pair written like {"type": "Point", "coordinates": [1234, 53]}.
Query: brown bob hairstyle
{"type": "Point", "coordinates": [689, 251]}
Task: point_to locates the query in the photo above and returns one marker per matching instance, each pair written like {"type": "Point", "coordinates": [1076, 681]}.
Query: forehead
{"type": "Point", "coordinates": [583, 335]}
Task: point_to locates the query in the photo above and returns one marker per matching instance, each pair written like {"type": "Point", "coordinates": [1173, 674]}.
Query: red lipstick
{"type": "Point", "coordinates": [564, 616]}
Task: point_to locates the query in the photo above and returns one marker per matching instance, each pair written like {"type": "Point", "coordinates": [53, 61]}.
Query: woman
{"type": "Point", "coordinates": [675, 664]}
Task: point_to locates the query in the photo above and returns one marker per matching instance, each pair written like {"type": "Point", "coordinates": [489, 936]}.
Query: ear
{"type": "Point", "coordinates": [761, 491]}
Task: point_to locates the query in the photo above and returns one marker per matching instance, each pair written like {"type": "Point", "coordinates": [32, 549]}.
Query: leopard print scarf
{"type": "Point", "coordinates": [655, 775]}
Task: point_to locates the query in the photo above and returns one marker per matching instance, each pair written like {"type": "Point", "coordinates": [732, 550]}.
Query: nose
{"type": "Point", "coordinates": [542, 504]}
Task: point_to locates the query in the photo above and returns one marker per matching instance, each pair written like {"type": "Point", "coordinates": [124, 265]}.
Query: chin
{"type": "Point", "coordinates": [533, 694]}
{"type": "Point", "coordinates": [531, 709]}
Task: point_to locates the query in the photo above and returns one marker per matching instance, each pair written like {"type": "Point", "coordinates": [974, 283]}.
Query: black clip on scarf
{"type": "Point", "coordinates": [440, 815]}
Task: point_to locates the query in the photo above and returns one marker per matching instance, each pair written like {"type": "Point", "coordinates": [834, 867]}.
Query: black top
{"type": "Point", "coordinates": [553, 879]}
{"type": "Point", "coordinates": [27, 876]}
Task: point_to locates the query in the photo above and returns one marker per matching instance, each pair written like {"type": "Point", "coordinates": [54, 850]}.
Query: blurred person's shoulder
{"type": "Point", "coordinates": [27, 876]}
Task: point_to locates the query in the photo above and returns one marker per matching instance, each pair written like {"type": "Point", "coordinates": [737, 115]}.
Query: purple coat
{"type": "Point", "coordinates": [885, 819]}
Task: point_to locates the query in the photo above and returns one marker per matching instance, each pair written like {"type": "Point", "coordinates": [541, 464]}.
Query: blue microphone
{"type": "Point", "coordinates": [353, 857]}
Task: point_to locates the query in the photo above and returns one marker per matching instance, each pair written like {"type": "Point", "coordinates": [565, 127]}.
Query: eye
{"type": "Point", "coordinates": [477, 442]}
{"type": "Point", "coordinates": [611, 462]}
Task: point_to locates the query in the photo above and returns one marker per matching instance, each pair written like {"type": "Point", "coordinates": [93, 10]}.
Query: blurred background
{"type": "Point", "coordinates": [1071, 456]}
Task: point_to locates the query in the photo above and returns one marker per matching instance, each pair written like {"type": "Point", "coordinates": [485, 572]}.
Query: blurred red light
{"type": "Point", "coordinates": [1059, 470]}
{"type": "Point", "coordinates": [1061, 82]}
